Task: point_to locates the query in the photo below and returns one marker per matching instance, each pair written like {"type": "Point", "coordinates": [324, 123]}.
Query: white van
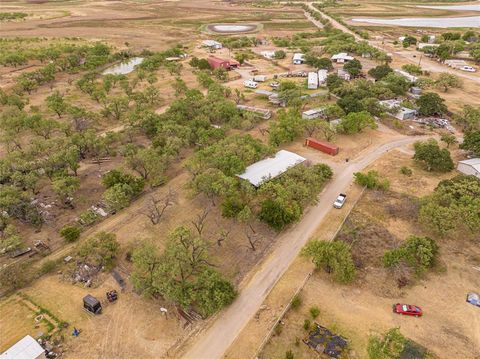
{"type": "Point", "coordinates": [250, 84]}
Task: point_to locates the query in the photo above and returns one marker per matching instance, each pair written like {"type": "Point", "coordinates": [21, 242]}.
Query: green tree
{"type": "Point", "coordinates": [70, 233]}
{"type": "Point", "coordinates": [148, 163]}
{"type": "Point", "coordinates": [100, 249]}
{"type": "Point", "coordinates": [430, 104]}
{"type": "Point", "coordinates": [446, 80]}
{"type": "Point", "coordinates": [412, 69]}
{"type": "Point", "coordinates": [286, 128]}
{"type": "Point", "coordinates": [469, 118]}
{"type": "Point", "coordinates": [449, 139]}
{"type": "Point", "coordinates": [57, 104]}
{"type": "Point", "coordinates": [118, 196]}
{"type": "Point", "coordinates": [280, 54]}
{"type": "Point", "coordinates": [416, 252]}
{"type": "Point", "coordinates": [454, 206]}
{"type": "Point", "coordinates": [380, 71]}
{"type": "Point", "coordinates": [146, 260]}
{"type": "Point", "coordinates": [356, 122]}
{"type": "Point", "coordinates": [353, 67]}
{"type": "Point", "coordinates": [429, 154]}
{"type": "Point", "coordinates": [471, 142]}
{"type": "Point", "coordinates": [333, 256]}
{"type": "Point", "coordinates": [65, 187]}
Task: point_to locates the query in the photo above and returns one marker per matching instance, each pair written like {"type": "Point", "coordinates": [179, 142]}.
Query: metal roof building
{"type": "Point", "coordinates": [26, 348]}
{"type": "Point", "coordinates": [212, 43]}
{"type": "Point", "coordinates": [264, 170]}
{"type": "Point", "coordinates": [341, 57]}
{"type": "Point", "coordinates": [470, 167]}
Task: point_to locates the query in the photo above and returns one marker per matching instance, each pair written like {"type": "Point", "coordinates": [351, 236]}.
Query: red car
{"type": "Point", "coordinates": [407, 309]}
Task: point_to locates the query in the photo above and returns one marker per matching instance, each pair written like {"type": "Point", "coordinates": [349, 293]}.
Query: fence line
{"type": "Point", "coordinates": [305, 281]}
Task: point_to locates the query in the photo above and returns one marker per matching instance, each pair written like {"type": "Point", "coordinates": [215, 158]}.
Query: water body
{"type": "Point", "coordinates": [231, 28]}
{"type": "Point", "coordinates": [124, 67]}
{"type": "Point", "coordinates": [439, 22]}
{"type": "Point", "coordinates": [452, 7]}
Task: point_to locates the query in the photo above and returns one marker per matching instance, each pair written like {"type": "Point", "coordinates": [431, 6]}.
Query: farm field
{"type": "Point", "coordinates": [132, 180]}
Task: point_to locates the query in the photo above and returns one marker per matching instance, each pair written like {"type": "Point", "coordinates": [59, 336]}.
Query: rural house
{"type": "Point", "coordinates": [395, 109]}
{"type": "Point", "coordinates": [341, 58]}
{"type": "Point", "coordinates": [26, 348]}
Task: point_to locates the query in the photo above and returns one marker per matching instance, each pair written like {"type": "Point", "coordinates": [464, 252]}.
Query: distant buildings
{"type": "Point", "coordinates": [212, 44]}
{"type": "Point", "coordinates": [298, 58]}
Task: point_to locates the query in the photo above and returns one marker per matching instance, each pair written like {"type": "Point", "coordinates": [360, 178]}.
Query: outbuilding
{"type": "Point", "coordinates": [298, 58]}
{"type": "Point", "coordinates": [395, 109]}
{"type": "Point", "coordinates": [470, 167]}
{"type": "Point", "coordinates": [92, 304]}
{"type": "Point", "coordinates": [405, 74]}
{"type": "Point", "coordinates": [26, 348]}
{"type": "Point", "coordinates": [341, 58]}
{"type": "Point", "coordinates": [344, 74]}
{"type": "Point", "coordinates": [216, 62]}
{"type": "Point", "coordinates": [212, 44]}
{"type": "Point", "coordinates": [264, 170]}
{"type": "Point", "coordinates": [313, 113]}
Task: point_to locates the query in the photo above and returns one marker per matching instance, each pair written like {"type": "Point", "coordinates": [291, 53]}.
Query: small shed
{"type": "Point", "coordinates": [268, 54]}
{"type": "Point", "coordinates": [344, 75]}
{"type": "Point", "coordinates": [25, 348]}
{"type": "Point", "coordinates": [298, 58]}
{"type": "Point", "coordinates": [470, 167]}
{"type": "Point", "coordinates": [92, 304]}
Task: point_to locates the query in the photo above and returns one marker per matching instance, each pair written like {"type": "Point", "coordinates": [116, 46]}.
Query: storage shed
{"type": "Point", "coordinates": [313, 113]}
{"type": "Point", "coordinates": [264, 170]}
{"type": "Point", "coordinates": [470, 167]}
{"type": "Point", "coordinates": [92, 304]}
{"type": "Point", "coordinates": [26, 348]}
{"type": "Point", "coordinates": [341, 58]}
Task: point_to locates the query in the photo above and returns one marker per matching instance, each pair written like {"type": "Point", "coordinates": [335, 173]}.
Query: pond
{"type": "Point", "coordinates": [452, 7]}
{"type": "Point", "coordinates": [439, 22]}
{"type": "Point", "coordinates": [124, 67]}
{"type": "Point", "coordinates": [232, 28]}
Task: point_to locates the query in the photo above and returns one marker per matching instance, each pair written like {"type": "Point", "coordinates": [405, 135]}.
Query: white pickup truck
{"type": "Point", "coordinates": [340, 201]}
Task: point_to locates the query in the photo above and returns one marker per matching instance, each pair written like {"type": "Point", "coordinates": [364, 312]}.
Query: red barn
{"type": "Point", "coordinates": [216, 62]}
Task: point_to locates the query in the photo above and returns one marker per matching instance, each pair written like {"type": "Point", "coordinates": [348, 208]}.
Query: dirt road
{"type": "Point", "coordinates": [216, 339]}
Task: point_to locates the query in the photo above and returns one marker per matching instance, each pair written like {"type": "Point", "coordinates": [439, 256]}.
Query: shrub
{"type": "Point", "coordinates": [88, 217]}
{"type": "Point", "coordinates": [70, 234]}
{"type": "Point", "coordinates": [296, 302]}
{"type": "Point", "coordinates": [429, 154]}
{"type": "Point", "coordinates": [48, 266]}
{"type": "Point", "coordinates": [307, 324]}
{"type": "Point", "coordinates": [278, 328]}
{"type": "Point", "coordinates": [371, 180]}
{"type": "Point", "coordinates": [289, 354]}
{"type": "Point", "coordinates": [314, 311]}
{"type": "Point", "coordinates": [406, 171]}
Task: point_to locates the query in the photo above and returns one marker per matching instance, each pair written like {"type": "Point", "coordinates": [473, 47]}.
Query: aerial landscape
{"type": "Point", "coordinates": [240, 179]}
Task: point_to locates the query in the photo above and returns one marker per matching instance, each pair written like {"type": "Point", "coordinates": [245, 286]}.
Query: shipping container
{"type": "Point", "coordinates": [326, 147]}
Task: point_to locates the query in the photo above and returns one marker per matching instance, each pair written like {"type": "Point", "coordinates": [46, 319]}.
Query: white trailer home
{"type": "Point", "coordinates": [313, 113]}
{"type": "Point", "coordinates": [298, 58]}
{"type": "Point", "coordinates": [322, 77]}
{"type": "Point", "coordinates": [312, 81]}
{"type": "Point", "coordinates": [259, 78]}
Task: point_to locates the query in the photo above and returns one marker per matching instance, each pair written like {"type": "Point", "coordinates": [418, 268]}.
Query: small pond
{"type": "Point", "coordinates": [439, 22]}
{"type": "Point", "coordinates": [124, 67]}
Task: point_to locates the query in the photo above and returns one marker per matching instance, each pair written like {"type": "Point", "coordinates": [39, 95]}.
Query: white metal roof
{"type": "Point", "coordinates": [211, 43]}
{"type": "Point", "coordinates": [312, 77]}
{"type": "Point", "coordinates": [407, 75]}
{"type": "Point", "coordinates": [298, 56]}
{"type": "Point", "coordinates": [314, 111]}
{"type": "Point", "coordinates": [26, 348]}
{"type": "Point", "coordinates": [271, 167]}
{"type": "Point", "coordinates": [343, 56]}
{"type": "Point", "coordinates": [474, 162]}
{"type": "Point", "coordinates": [322, 75]}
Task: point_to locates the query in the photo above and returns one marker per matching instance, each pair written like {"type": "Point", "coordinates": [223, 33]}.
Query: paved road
{"type": "Point", "coordinates": [216, 339]}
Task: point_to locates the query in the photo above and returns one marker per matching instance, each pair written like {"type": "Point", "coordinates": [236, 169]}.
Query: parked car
{"type": "Point", "coordinates": [340, 201]}
{"type": "Point", "coordinates": [474, 299]}
{"type": "Point", "coordinates": [407, 309]}
{"type": "Point", "coordinates": [467, 68]}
